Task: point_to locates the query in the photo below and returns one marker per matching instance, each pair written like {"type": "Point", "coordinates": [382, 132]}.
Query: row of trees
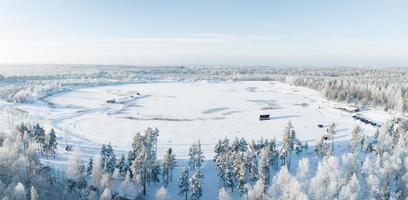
{"type": "Point", "coordinates": [241, 163]}
{"type": "Point", "coordinates": [374, 90]}
{"type": "Point", "coordinates": [373, 168]}
{"type": "Point", "coordinates": [46, 142]}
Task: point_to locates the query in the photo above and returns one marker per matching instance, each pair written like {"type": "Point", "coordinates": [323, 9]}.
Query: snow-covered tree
{"type": "Point", "coordinates": [97, 172]}
{"type": "Point", "coordinates": [162, 194]}
{"type": "Point", "coordinates": [34, 193]}
{"type": "Point", "coordinates": [223, 194]}
{"type": "Point", "coordinates": [285, 187]}
{"type": "Point", "coordinates": [169, 163]}
{"type": "Point", "coordinates": [229, 181]}
{"type": "Point", "coordinates": [106, 194]}
{"type": "Point", "coordinates": [76, 171]}
{"type": "Point", "coordinates": [303, 174]}
{"type": "Point", "coordinates": [196, 190]}
{"type": "Point", "coordinates": [122, 166]}
{"type": "Point", "coordinates": [351, 189]}
{"type": "Point", "coordinates": [51, 143]}
{"type": "Point", "coordinates": [90, 166]}
{"type": "Point", "coordinates": [325, 184]}
{"type": "Point", "coordinates": [289, 143]}
{"type": "Point", "coordinates": [19, 192]}
{"type": "Point", "coordinates": [109, 159]}
{"type": "Point", "coordinates": [183, 183]}
{"type": "Point", "coordinates": [357, 138]}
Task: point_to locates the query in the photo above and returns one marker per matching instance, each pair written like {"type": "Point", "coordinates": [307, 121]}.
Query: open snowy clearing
{"type": "Point", "coordinates": [192, 111]}
{"type": "Point", "coordinates": [186, 112]}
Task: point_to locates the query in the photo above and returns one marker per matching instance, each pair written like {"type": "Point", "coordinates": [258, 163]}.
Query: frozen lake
{"type": "Point", "coordinates": [188, 112]}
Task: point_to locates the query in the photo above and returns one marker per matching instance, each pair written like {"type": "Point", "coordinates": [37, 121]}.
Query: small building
{"type": "Point", "coordinates": [264, 117]}
{"type": "Point", "coordinates": [111, 101]}
{"type": "Point", "coordinates": [320, 125]}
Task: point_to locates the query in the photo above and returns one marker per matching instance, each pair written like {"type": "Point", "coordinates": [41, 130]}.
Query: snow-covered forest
{"type": "Point", "coordinates": [308, 148]}
{"type": "Point", "coordinates": [385, 87]}
{"type": "Point", "coordinates": [371, 168]}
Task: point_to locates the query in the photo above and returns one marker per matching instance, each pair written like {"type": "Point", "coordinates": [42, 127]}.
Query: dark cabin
{"type": "Point", "coordinates": [264, 117]}
{"type": "Point", "coordinates": [320, 125]}
{"type": "Point", "coordinates": [111, 101]}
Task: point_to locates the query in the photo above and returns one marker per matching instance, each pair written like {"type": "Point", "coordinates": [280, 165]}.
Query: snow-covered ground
{"type": "Point", "coordinates": [186, 112]}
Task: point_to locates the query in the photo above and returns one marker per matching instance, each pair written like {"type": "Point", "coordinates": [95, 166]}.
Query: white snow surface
{"type": "Point", "coordinates": [185, 112]}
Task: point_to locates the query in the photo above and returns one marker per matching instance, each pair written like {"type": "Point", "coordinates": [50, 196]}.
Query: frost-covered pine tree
{"type": "Point", "coordinates": [110, 159]}
{"type": "Point", "coordinates": [284, 186]}
{"type": "Point", "coordinates": [323, 147]}
{"type": "Point", "coordinates": [259, 190]}
{"type": "Point", "coordinates": [52, 143]}
{"type": "Point", "coordinates": [223, 194]}
{"type": "Point", "coordinates": [199, 155]}
{"type": "Point", "coordinates": [39, 136]}
{"type": "Point", "coordinates": [97, 172]}
{"type": "Point", "coordinates": [196, 190]}
{"type": "Point", "coordinates": [229, 177]}
{"type": "Point", "coordinates": [351, 189]}
{"type": "Point", "coordinates": [273, 154]}
{"type": "Point", "coordinates": [356, 140]}
{"type": "Point", "coordinates": [303, 174]}
{"type": "Point", "coordinates": [122, 166]}
{"type": "Point", "coordinates": [103, 154]}
{"type": "Point", "coordinates": [169, 163]}
{"type": "Point", "coordinates": [34, 194]}
{"type": "Point", "coordinates": [325, 184]}
{"type": "Point", "coordinates": [76, 170]}
{"type": "Point", "coordinates": [162, 194]}
{"type": "Point", "coordinates": [288, 144]}
{"type": "Point", "coordinates": [242, 177]}
{"type": "Point", "coordinates": [192, 154]}
{"type": "Point", "coordinates": [251, 162]}
{"type": "Point", "coordinates": [90, 166]}
{"type": "Point", "coordinates": [106, 194]}
{"type": "Point", "coordinates": [19, 191]}
{"type": "Point", "coordinates": [145, 165]}
{"type": "Point", "coordinates": [183, 183]}
{"type": "Point", "coordinates": [263, 170]}
{"type": "Point", "coordinates": [331, 133]}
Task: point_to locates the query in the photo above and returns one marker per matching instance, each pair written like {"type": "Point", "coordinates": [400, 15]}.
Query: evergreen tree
{"type": "Point", "coordinates": [199, 155]}
{"type": "Point", "coordinates": [223, 194]}
{"type": "Point", "coordinates": [169, 163]}
{"type": "Point", "coordinates": [196, 190]}
{"type": "Point", "coordinates": [52, 143]}
{"type": "Point", "coordinates": [263, 167]}
{"type": "Point", "coordinates": [39, 136]}
{"type": "Point", "coordinates": [357, 138]}
{"type": "Point", "coordinates": [192, 156]}
{"type": "Point", "coordinates": [183, 183]}
{"type": "Point", "coordinates": [34, 193]}
{"type": "Point", "coordinates": [161, 194]}
{"type": "Point", "coordinates": [90, 166]}
{"type": "Point", "coordinates": [229, 178]}
{"type": "Point", "coordinates": [76, 171]}
{"type": "Point", "coordinates": [110, 159]}
{"type": "Point", "coordinates": [122, 165]}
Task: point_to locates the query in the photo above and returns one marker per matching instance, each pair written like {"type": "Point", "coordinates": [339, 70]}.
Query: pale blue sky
{"type": "Point", "coordinates": [309, 32]}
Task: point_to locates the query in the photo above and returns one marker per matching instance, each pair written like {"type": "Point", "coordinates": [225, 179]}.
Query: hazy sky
{"type": "Point", "coordinates": [170, 32]}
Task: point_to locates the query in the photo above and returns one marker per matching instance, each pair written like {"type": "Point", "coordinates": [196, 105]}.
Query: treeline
{"type": "Point", "coordinates": [374, 167]}
{"type": "Point", "coordinates": [378, 88]}
{"type": "Point", "coordinates": [385, 87]}
{"type": "Point", "coordinates": [46, 142]}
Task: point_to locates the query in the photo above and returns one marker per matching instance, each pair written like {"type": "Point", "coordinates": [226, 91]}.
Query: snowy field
{"type": "Point", "coordinates": [186, 112]}
{"type": "Point", "coordinates": [192, 111]}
